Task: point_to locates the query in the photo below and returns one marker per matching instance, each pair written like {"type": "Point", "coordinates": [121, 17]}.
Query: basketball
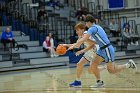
{"type": "Point", "coordinates": [61, 50]}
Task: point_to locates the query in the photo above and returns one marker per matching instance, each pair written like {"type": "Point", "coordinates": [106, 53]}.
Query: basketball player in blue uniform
{"type": "Point", "coordinates": [106, 52]}
{"type": "Point", "coordinates": [89, 54]}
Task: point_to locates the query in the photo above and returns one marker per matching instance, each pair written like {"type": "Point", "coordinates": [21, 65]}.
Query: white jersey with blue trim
{"type": "Point", "coordinates": [99, 35]}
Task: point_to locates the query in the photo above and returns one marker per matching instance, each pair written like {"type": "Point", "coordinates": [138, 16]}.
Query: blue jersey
{"type": "Point", "coordinates": [101, 38]}
{"type": "Point", "coordinates": [99, 35]}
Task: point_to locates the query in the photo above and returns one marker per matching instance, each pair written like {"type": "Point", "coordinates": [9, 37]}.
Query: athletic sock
{"type": "Point", "coordinates": [78, 79]}
{"type": "Point", "coordinates": [98, 81]}
{"type": "Point", "coordinates": [127, 65]}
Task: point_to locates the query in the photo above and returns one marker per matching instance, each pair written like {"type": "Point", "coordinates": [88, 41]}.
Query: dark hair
{"type": "Point", "coordinates": [90, 18]}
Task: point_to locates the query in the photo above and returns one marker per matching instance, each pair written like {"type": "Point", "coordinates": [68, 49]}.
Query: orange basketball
{"type": "Point", "coordinates": [61, 50]}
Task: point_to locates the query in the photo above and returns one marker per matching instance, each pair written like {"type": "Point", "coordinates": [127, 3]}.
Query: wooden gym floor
{"type": "Point", "coordinates": [56, 80]}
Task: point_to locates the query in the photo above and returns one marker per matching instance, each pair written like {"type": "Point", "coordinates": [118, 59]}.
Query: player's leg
{"type": "Point", "coordinates": [90, 55]}
{"type": "Point", "coordinates": [95, 70]}
{"type": "Point", "coordinates": [79, 70]}
{"type": "Point", "coordinates": [112, 68]}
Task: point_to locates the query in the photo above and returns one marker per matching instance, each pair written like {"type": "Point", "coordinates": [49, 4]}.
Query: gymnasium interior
{"type": "Point", "coordinates": [27, 68]}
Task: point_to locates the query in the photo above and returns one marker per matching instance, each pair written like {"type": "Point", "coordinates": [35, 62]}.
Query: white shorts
{"type": "Point", "coordinates": [90, 55]}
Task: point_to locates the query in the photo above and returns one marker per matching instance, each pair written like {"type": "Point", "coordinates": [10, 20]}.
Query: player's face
{"type": "Point", "coordinates": [79, 32]}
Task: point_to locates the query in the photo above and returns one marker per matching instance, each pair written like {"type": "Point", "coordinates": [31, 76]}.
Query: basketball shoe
{"type": "Point", "coordinates": [132, 64]}
{"type": "Point", "coordinates": [75, 84]}
{"type": "Point", "coordinates": [99, 84]}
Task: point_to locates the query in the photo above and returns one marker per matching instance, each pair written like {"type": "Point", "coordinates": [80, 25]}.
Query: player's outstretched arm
{"type": "Point", "coordinates": [66, 45]}
{"type": "Point", "coordinates": [80, 41]}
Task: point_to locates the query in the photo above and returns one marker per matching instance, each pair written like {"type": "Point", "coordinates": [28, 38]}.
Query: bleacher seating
{"type": "Point", "coordinates": [138, 52]}
{"type": "Point", "coordinates": [27, 58]}
{"type": "Point", "coordinates": [6, 64]}
{"type": "Point", "coordinates": [133, 47]}
{"type": "Point", "coordinates": [60, 60]}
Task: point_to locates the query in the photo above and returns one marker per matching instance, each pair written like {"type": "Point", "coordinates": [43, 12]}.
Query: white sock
{"type": "Point", "coordinates": [78, 79]}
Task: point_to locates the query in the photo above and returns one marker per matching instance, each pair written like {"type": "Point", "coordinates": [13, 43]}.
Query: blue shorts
{"type": "Point", "coordinates": [107, 53]}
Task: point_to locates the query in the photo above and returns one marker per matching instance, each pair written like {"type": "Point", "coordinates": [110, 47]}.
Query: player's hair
{"type": "Point", "coordinates": [90, 18]}
{"type": "Point", "coordinates": [80, 25]}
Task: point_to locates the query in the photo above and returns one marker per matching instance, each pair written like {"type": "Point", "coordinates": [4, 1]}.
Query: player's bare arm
{"type": "Point", "coordinates": [80, 41]}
